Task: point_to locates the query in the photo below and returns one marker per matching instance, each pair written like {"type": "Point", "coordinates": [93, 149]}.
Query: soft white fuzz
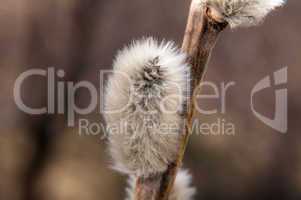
{"type": "Point", "coordinates": [244, 12]}
{"type": "Point", "coordinates": [182, 189]}
{"type": "Point", "coordinates": [149, 86]}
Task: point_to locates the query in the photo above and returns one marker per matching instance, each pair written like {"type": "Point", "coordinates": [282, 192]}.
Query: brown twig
{"type": "Point", "coordinates": [202, 31]}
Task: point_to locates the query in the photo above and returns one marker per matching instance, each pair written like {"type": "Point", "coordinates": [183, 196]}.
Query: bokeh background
{"type": "Point", "coordinates": [43, 159]}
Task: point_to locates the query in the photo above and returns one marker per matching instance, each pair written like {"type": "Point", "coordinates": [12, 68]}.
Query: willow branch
{"type": "Point", "coordinates": [202, 31]}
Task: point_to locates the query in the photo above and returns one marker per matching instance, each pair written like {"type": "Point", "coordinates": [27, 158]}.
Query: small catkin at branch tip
{"type": "Point", "coordinates": [182, 189]}
{"type": "Point", "coordinates": [243, 12]}
{"type": "Point", "coordinates": [147, 93]}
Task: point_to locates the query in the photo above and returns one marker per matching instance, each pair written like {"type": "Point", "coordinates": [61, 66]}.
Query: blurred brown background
{"type": "Point", "coordinates": [41, 158]}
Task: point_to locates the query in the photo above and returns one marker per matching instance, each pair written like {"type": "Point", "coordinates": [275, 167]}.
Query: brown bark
{"type": "Point", "coordinates": [202, 31]}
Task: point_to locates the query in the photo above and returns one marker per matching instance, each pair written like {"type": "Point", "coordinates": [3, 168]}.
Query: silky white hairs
{"type": "Point", "coordinates": [182, 189]}
{"type": "Point", "coordinates": [243, 12]}
{"type": "Point", "coordinates": [145, 98]}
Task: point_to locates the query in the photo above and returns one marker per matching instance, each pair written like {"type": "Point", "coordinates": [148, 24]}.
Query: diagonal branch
{"type": "Point", "coordinates": [202, 31]}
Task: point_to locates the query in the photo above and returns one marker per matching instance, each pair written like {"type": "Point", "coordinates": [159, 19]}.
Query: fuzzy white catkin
{"type": "Point", "coordinates": [243, 12]}
{"type": "Point", "coordinates": [148, 91]}
{"type": "Point", "coordinates": [182, 189]}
